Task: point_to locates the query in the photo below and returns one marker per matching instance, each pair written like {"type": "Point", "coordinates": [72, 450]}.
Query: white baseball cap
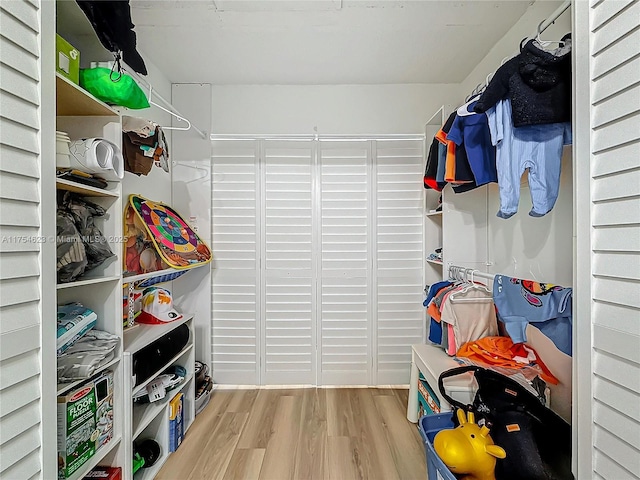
{"type": "Point", "coordinates": [157, 307]}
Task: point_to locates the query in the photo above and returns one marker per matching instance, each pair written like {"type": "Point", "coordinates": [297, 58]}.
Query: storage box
{"type": "Point", "coordinates": [67, 60]}
{"type": "Point", "coordinates": [428, 401]}
{"type": "Point", "coordinates": [176, 422]}
{"type": "Point", "coordinates": [105, 473]}
{"type": "Point", "coordinates": [429, 426]}
{"type": "Point", "coordinates": [85, 423]}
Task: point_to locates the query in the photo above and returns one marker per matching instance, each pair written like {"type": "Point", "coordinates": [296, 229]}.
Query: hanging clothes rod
{"type": "Point", "coordinates": [169, 107]}
{"type": "Point", "coordinates": [553, 17]}
{"type": "Point", "coordinates": [463, 273]}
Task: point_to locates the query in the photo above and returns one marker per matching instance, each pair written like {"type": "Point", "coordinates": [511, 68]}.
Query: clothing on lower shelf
{"type": "Point", "coordinates": [94, 350]}
{"type": "Point", "coordinates": [545, 306]}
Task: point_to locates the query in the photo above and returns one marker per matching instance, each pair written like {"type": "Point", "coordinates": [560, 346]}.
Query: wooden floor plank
{"type": "Point", "coordinates": [341, 462]}
{"type": "Point", "coordinates": [402, 438]}
{"type": "Point", "coordinates": [375, 459]}
{"type": "Point", "coordinates": [242, 401]}
{"type": "Point", "coordinates": [312, 439]}
{"type": "Point", "coordinates": [279, 457]}
{"type": "Point", "coordinates": [245, 464]}
{"type": "Point", "coordinates": [259, 426]}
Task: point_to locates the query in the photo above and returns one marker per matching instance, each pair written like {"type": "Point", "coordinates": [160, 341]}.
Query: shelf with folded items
{"type": "Point", "coordinates": [434, 262]}
{"type": "Point", "coordinates": [84, 190]}
{"type": "Point", "coordinates": [65, 387]}
{"type": "Point", "coordinates": [72, 101]}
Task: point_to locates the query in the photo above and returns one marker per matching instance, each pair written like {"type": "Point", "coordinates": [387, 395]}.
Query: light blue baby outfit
{"type": "Point", "coordinates": [534, 147]}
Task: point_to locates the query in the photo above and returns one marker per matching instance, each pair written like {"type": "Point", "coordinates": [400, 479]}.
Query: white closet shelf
{"type": "Point", "coordinates": [144, 384]}
{"type": "Point", "coordinates": [95, 460]}
{"type": "Point", "coordinates": [144, 415]}
{"type": "Point", "coordinates": [434, 214]}
{"type": "Point", "coordinates": [73, 100]}
{"type": "Point", "coordinates": [88, 281]}
{"type": "Point", "coordinates": [142, 335]}
{"type": "Point", "coordinates": [65, 387]}
{"type": "Point", "coordinates": [86, 190]}
{"type": "Point", "coordinates": [157, 273]}
{"type": "Point", "coordinates": [435, 262]}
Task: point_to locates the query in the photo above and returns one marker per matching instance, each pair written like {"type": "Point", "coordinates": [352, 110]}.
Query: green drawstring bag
{"type": "Point", "coordinates": [122, 90]}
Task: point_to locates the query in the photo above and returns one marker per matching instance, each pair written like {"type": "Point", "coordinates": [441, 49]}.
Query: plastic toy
{"type": "Point", "coordinates": [468, 450]}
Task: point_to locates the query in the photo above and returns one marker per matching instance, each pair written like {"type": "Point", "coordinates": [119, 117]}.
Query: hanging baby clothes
{"type": "Point", "coordinates": [537, 81]}
{"type": "Point", "coordinates": [471, 313]}
{"type": "Point", "coordinates": [435, 327]}
{"type": "Point", "coordinates": [545, 306]}
{"type": "Point", "coordinates": [537, 148]}
{"type": "Point", "coordinates": [144, 144]}
{"type": "Point", "coordinates": [457, 169]}
{"type": "Point", "coordinates": [471, 132]}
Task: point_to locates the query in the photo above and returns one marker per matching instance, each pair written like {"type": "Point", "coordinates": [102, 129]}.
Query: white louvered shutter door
{"type": "Point", "coordinates": [399, 256]}
{"type": "Point", "coordinates": [20, 300]}
{"type": "Point", "coordinates": [235, 227]}
{"type": "Point", "coordinates": [345, 287]}
{"type": "Point", "coordinates": [608, 223]}
{"type": "Point", "coordinates": [288, 270]}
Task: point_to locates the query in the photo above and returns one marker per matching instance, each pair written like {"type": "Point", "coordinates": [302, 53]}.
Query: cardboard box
{"type": "Point", "coordinates": [85, 423]}
{"type": "Point", "coordinates": [105, 473]}
{"type": "Point", "coordinates": [428, 402]}
{"type": "Point", "coordinates": [176, 422]}
{"type": "Point", "coordinates": [67, 60]}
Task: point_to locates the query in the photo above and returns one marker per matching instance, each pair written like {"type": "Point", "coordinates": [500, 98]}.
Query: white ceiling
{"type": "Point", "coordinates": [311, 42]}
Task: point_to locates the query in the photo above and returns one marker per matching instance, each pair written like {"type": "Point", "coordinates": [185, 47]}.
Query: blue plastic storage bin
{"type": "Point", "coordinates": [429, 425]}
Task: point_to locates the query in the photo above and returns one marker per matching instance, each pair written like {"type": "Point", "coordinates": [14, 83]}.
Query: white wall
{"type": "Point", "coordinates": [191, 158]}
{"type": "Point", "coordinates": [332, 109]}
{"type": "Point", "coordinates": [522, 246]}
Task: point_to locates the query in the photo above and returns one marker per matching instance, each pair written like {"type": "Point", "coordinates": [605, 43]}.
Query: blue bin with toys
{"type": "Point", "coordinates": [429, 425]}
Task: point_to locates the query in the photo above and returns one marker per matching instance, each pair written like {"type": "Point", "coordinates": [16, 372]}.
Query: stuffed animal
{"type": "Point", "coordinates": [468, 450]}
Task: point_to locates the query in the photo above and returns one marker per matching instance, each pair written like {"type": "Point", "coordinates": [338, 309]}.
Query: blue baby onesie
{"type": "Point", "coordinates": [534, 147]}
{"type": "Point", "coordinates": [545, 306]}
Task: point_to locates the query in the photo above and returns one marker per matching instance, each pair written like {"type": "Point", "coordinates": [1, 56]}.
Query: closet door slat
{"type": "Point", "coordinates": [399, 256]}
{"type": "Point", "coordinates": [20, 307]}
{"type": "Point", "coordinates": [235, 273]}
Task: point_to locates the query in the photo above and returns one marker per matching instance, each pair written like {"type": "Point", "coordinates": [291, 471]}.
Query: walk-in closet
{"type": "Point", "coordinates": [320, 239]}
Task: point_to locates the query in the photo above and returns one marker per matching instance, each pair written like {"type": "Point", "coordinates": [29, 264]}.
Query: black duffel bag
{"type": "Point", "coordinates": [155, 356]}
{"type": "Point", "coordinates": [537, 440]}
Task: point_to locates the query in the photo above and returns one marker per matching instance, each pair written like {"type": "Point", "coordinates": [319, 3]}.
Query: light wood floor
{"type": "Point", "coordinates": [301, 434]}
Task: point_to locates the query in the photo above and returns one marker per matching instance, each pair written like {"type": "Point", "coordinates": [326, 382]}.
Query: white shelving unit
{"type": "Point", "coordinates": [151, 420]}
{"type": "Point", "coordinates": [433, 221]}
{"type": "Point", "coordinates": [81, 115]}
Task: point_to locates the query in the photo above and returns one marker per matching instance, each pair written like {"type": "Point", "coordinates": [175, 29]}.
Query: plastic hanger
{"type": "Point", "coordinates": [471, 285]}
{"type": "Point", "coordinates": [546, 43]}
{"type": "Point", "coordinates": [180, 119]}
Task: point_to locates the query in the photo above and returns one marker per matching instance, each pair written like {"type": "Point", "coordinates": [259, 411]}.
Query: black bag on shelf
{"type": "Point", "coordinates": [536, 439]}
{"type": "Point", "coordinates": [154, 356]}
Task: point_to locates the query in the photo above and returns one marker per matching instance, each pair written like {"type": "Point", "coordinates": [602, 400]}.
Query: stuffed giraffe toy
{"type": "Point", "coordinates": [468, 450]}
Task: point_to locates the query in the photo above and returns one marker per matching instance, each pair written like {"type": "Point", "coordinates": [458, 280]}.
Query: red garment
{"type": "Point", "coordinates": [501, 352]}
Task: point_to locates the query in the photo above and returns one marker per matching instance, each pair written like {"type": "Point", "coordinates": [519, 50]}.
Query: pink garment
{"type": "Point", "coordinates": [451, 337]}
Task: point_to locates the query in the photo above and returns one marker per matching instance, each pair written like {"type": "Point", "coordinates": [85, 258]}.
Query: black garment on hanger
{"type": "Point", "coordinates": [111, 21]}
{"type": "Point", "coordinates": [537, 81]}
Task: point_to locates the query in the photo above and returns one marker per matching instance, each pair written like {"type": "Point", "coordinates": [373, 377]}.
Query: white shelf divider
{"type": "Point", "coordinates": [85, 190]}
{"type": "Point", "coordinates": [143, 385]}
{"type": "Point", "coordinates": [88, 281]}
{"type": "Point", "coordinates": [144, 415]}
{"type": "Point", "coordinates": [142, 335]}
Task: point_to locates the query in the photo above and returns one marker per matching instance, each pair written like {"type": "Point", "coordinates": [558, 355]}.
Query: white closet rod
{"type": "Point", "coordinates": [168, 104]}
{"type": "Point", "coordinates": [552, 18]}
{"type": "Point", "coordinates": [456, 272]}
